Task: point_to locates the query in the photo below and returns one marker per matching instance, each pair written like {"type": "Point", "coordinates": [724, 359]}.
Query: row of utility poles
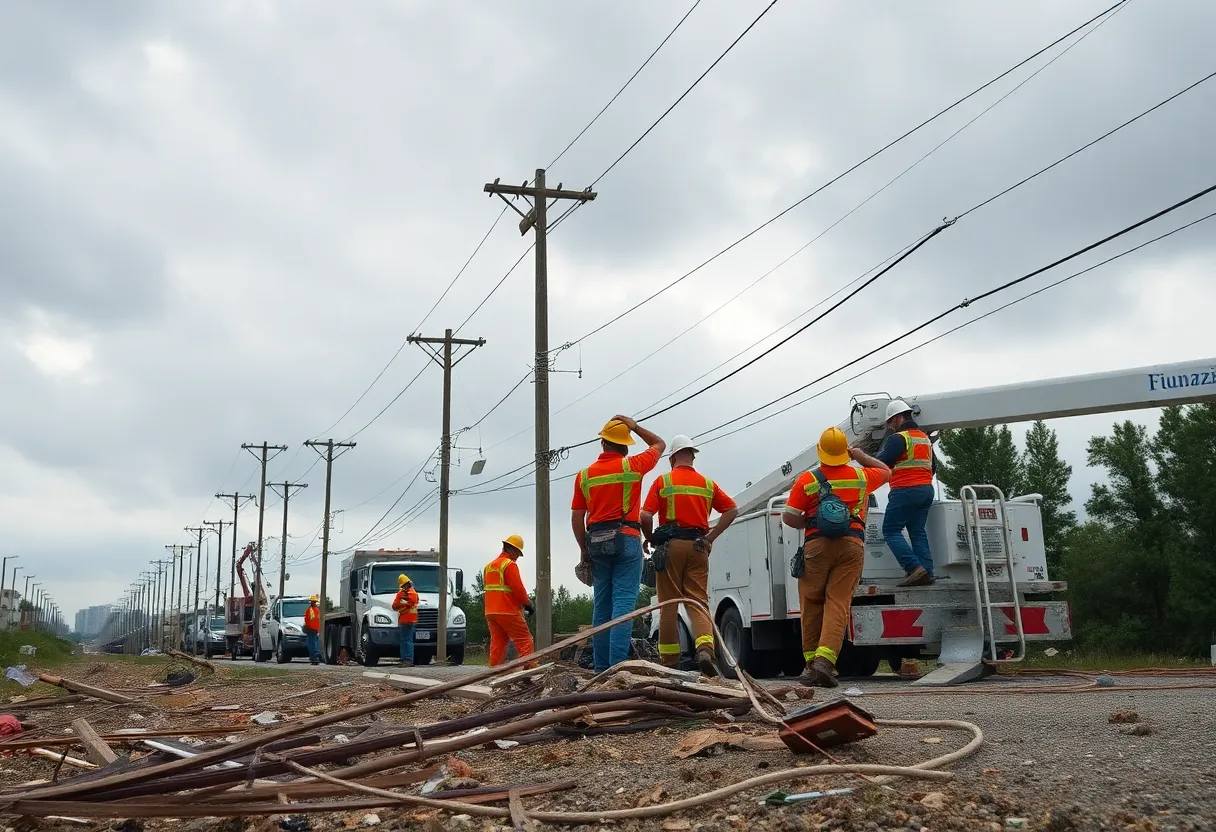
{"type": "Point", "coordinates": [43, 613]}
{"type": "Point", "coordinates": [444, 352]}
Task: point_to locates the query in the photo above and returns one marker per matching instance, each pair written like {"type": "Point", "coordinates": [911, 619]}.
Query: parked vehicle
{"type": "Point", "coordinates": [281, 629]}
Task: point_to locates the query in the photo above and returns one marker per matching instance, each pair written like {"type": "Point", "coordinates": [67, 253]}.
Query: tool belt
{"type": "Point", "coordinates": [601, 537]}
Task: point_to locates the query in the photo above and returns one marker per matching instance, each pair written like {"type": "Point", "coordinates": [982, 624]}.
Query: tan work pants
{"type": "Point", "coordinates": [686, 575]}
{"type": "Point", "coordinates": [833, 570]}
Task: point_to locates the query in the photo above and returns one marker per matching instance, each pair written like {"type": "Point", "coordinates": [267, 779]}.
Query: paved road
{"type": "Point", "coordinates": [302, 665]}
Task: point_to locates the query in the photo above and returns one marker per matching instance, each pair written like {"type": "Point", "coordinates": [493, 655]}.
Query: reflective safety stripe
{"type": "Point", "coordinates": [499, 573]}
{"type": "Point", "coordinates": [626, 478]}
{"type": "Point", "coordinates": [826, 653]}
{"type": "Point", "coordinates": [914, 456]}
{"type": "Point", "coordinates": [704, 640]}
{"type": "Point", "coordinates": [809, 655]}
{"type": "Point", "coordinates": [668, 649]}
{"type": "Point", "coordinates": [857, 482]}
{"type": "Point", "coordinates": [669, 490]}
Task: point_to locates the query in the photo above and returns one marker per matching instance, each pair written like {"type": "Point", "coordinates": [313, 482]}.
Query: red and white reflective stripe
{"type": "Point", "coordinates": [901, 623]}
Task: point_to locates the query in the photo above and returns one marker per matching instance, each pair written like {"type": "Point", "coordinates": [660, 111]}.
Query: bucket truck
{"type": "Point", "coordinates": [992, 594]}
{"type": "Point", "coordinates": [238, 630]}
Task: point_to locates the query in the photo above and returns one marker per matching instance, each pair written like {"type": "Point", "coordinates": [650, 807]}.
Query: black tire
{"type": "Point", "coordinates": [280, 654]}
{"type": "Point", "coordinates": [422, 658]}
{"type": "Point", "coordinates": [333, 637]}
{"type": "Point", "coordinates": [456, 655]}
{"type": "Point", "coordinates": [858, 661]}
{"type": "Point", "coordinates": [738, 640]}
{"type": "Point", "coordinates": [368, 655]}
{"type": "Point", "coordinates": [234, 649]}
{"type": "Point", "coordinates": [264, 655]}
{"type": "Point", "coordinates": [792, 661]}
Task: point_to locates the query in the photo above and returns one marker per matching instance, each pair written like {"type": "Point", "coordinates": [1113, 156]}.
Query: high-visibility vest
{"type": "Point", "coordinates": [312, 619]}
{"type": "Point", "coordinates": [627, 479]}
{"type": "Point", "coordinates": [669, 490]}
{"type": "Point", "coordinates": [915, 464]}
{"type": "Point", "coordinates": [407, 612]}
{"type": "Point", "coordinates": [851, 488]}
{"type": "Point", "coordinates": [499, 596]}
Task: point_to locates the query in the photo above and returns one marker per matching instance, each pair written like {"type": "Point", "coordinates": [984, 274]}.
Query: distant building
{"type": "Point", "coordinates": [92, 620]}
{"type": "Point", "coordinates": [10, 603]}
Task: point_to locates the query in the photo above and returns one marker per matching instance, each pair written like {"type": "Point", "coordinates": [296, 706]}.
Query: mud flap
{"type": "Point", "coordinates": [961, 659]}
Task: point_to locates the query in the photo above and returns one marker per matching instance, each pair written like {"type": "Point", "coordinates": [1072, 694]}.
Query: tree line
{"type": "Point", "coordinates": [1141, 568]}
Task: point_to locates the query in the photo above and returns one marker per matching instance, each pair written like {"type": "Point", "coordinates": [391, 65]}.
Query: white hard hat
{"type": "Point", "coordinates": [895, 407]}
{"type": "Point", "coordinates": [682, 443]}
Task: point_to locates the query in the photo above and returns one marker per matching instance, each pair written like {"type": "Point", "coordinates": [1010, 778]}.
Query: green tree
{"type": "Point", "coordinates": [1045, 473]}
{"type": "Point", "coordinates": [974, 456]}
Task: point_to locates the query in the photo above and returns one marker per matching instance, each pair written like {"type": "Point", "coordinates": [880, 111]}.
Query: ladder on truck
{"type": "Point", "coordinates": [968, 651]}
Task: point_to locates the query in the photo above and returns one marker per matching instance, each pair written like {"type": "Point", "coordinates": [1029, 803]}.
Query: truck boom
{"type": "Point", "coordinates": [1187, 382]}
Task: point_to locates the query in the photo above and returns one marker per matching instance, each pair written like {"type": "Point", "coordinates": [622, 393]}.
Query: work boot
{"type": "Point", "coordinates": [820, 673]}
{"type": "Point", "coordinates": [669, 659]}
{"type": "Point", "coordinates": [406, 663]}
{"type": "Point", "coordinates": [918, 577]}
{"type": "Point", "coordinates": [705, 661]}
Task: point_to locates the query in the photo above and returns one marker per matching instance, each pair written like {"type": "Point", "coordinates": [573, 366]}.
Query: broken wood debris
{"type": "Point", "coordinates": [99, 753]}
{"type": "Point", "coordinates": [477, 693]}
{"type": "Point", "coordinates": [87, 690]}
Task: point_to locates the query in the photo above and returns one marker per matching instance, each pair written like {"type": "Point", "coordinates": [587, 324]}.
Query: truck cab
{"type": "Point", "coordinates": [281, 628]}
{"type": "Point", "coordinates": [366, 624]}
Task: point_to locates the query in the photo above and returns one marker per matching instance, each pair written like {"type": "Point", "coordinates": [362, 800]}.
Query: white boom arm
{"type": "Point", "coordinates": [1187, 382]}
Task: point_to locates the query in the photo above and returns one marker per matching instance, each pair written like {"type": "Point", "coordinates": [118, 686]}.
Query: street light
{"type": "Point", "coordinates": [33, 606]}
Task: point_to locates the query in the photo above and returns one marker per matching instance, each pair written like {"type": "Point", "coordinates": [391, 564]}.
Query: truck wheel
{"type": "Point", "coordinates": [737, 640]}
{"type": "Point", "coordinates": [264, 655]}
{"type": "Point", "coordinates": [234, 649]}
{"type": "Point", "coordinates": [332, 644]}
{"type": "Point", "coordinates": [792, 661]}
{"type": "Point", "coordinates": [858, 661]}
{"type": "Point", "coordinates": [367, 650]}
{"type": "Point", "coordinates": [280, 653]}
{"type": "Point", "coordinates": [456, 655]}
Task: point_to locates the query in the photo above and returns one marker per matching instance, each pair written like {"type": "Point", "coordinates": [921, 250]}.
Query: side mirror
{"type": "Point", "coordinates": [459, 581]}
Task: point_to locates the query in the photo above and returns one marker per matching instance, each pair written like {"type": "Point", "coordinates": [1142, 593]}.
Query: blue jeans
{"type": "Point", "coordinates": [909, 508]}
{"type": "Point", "coordinates": [406, 633]}
{"type": "Point", "coordinates": [312, 637]}
{"type": "Point", "coordinates": [617, 571]}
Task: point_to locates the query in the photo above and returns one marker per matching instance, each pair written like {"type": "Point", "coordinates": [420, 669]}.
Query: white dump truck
{"type": "Point", "coordinates": [992, 594]}
{"type": "Point", "coordinates": [365, 623]}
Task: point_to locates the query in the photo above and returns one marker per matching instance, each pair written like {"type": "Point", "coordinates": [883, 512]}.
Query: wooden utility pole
{"type": "Point", "coordinates": [322, 603]}
{"type": "Point", "coordinates": [538, 219]}
{"type": "Point", "coordinates": [237, 499]}
{"type": "Point", "coordinates": [286, 486]}
{"type": "Point", "coordinates": [265, 449]}
{"type": "Point", "coordinates": [219, 554]}
{"type": "Point", "coordinates": [444, 359]}
{"type": "Point", "coordinates": [198, 574]}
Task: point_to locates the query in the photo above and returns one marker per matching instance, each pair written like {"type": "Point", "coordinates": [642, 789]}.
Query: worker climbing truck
{"type": "Point", "coordinates": [365, 624]}
{"type": "Point", "coordinates": [992, 594]}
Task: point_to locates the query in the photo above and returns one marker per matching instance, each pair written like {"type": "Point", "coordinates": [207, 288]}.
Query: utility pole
{"type": "Point", "coordinates": [444, 360]}
{"type": "Point", "coordinates": [538, 219]}
{"type": "Point", "coordinates": [329, 446]}
{"type": "Point", "coordinates": [198, 572]}
{"type": "Point", "coordinates": [286, 486]}
{"type": "Point", "coordinates": [219, 557]}
{"type": "Point", "coordinates": [257, 588]}
{"type": "Point", "coordinates": [237, 500]}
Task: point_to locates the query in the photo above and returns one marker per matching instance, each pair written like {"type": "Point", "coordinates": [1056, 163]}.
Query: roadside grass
{"type": "Point", "coordinates": [1089, 659]}
{"type": "Point", "coordinates": [49, 651]}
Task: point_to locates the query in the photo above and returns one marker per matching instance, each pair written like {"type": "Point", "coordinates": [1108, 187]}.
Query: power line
{"type": "Point", "coordinates": [612, 100]}
{"type": "Point", "coordinates": [684, 94]}
{"type": "Point", "coordinates": [938, 337]}
{"type": "Point", "coordinates": [490, 294]}
{"type": "Point", "coordinates": [845, 173]}
{"type": "Point", "coordinates": [400, 497]}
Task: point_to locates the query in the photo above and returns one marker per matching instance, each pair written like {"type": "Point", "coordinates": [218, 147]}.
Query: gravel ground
{"type": "Point", "coordinates": [1054, 759]}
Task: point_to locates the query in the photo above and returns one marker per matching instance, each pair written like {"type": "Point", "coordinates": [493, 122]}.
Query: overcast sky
{"type": "Point", "coordinates": [220, 220]}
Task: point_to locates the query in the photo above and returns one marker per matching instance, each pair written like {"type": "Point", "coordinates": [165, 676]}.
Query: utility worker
{"type": "Point", "coordinates": [507, 602]}
{"type": "Point", "coordinates": [605, 517]}
{"type": "Point", "coordinates": [406, 605]}
{"type": "Point", "coordinates": [683, 500]}
{"type": "Point", "coordinates": [312, 629]}
{"type": "Point", "coordinates": [831, 565]}
{"type": "Point", "coordinates": [909, 453]}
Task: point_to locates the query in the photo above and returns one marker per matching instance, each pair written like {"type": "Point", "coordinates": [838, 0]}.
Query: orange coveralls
{"type": "Point", "coordinates": [505, 599]}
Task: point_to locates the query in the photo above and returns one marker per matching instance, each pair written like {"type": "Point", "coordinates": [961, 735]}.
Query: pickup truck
{"type": "Point", "coordinates": [281, 629]}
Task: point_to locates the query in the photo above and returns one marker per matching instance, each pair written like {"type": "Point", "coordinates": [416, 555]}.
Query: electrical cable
{"type": "Point", "coordinates": [400, 497]}
{"type": "Point", "coordinates": [845, 173]}
{"type": "Point", "coordinates": [391, 402]}
{"type": "Point", "coordinates": [636, 73]}
{"type": "Point", "coordinates": [683, 95]}
{"type": "Point", "coordinates": [486, 415]}
{"type": "Point", "coordinates": [490, 294]}
{"type": "Point", "coordinates": [939, 336]}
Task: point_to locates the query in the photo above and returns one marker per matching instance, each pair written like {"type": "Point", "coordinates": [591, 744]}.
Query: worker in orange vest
{"type": "Point", "coordinates": [312, 629]}
{"type": "Point", "coordinates": [908, 451]}
{"type": "Point", "coordinates": [507, 602]}
{"type": "Point", "coordinates": [605, 517]}
{"type": "Point", "coordinates": [683, 500]}
{"type": "Point", "coordinates": [406, 605]}
{"type": "Point", "coordinates": [830, 505]}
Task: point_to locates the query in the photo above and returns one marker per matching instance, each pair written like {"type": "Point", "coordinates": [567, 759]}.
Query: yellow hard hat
{"type": "Point", "coordinates": [516, 541]}
{"type": "Point", "coordinates": [403, 579]}
{"type": "Point", "coordinates": [616, 433]}
{"type": "Point", "coordinates": [834, 447]}
{"type": "Point", "coordinates": [314, 598]}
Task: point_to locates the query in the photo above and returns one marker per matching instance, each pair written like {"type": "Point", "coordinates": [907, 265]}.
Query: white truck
{"type": "Point", "coordinates": [281, 629]}
{"type": "Point", "coordinates": [992, 593]}
{"type": "Point", "coordinates": [365, 623]}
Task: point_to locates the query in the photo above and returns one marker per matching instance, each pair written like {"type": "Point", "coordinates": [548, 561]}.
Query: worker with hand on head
{"type": "Point", "coordinates": [830, 505]}
{"type": "Point", "coordinates": [683, 500]}
{"type": "Point", "coordinates": [312, 629]}
{"type": "Point", "coordinates": [406, 605]}
{"type": "Point", "coordinates": [507, 602]}
{"type": "Point", "coordinates": [909, 453]}
{"type": "Point", "coordinates": [605, 517]}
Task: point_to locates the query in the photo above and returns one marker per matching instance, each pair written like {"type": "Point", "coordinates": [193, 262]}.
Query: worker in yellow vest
{"type": "Point", "coordinates": [507, 602]}
{"type": "Point", "coordinates": [909, 454]}
{"type": "Point", "coordinates": [683, 501]}
{"type": "Point", "coordinates": [406, 605]}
